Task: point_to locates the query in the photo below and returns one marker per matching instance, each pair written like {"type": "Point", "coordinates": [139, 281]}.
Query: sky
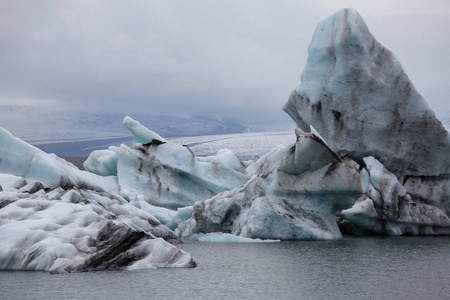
{"type": "Point", "coordinates": [232, 58]}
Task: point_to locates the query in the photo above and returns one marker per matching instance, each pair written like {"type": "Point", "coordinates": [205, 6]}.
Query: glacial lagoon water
{"type": "Point", "coordinates": [351, 268]}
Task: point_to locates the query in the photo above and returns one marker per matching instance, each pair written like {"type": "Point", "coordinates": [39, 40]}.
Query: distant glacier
{"type": "Point", "coordinates": [79, 133]}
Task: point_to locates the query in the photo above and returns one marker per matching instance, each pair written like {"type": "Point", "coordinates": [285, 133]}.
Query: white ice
{"type": "Point", "coordinates": [78, 230]}
{"type": "Point", "coordinates": [24, 160]}
{"type": "Point", "coordinates": [54, 217]}
{"type": "Point", "coordinates": [140, 133]}
{"type": "Point", "coordinates": [102, 162]}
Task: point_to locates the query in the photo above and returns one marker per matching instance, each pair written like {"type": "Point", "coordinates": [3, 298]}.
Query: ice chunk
{"type": "Point", "coordinates": [8, 181]}
{"type": "Point", "coordinates": [158, 253]}
{"type": "Point", "coordinates": [310, 152]}
{"type": "Point", "coordinates": [225, 158]}
{"type": "Point", "coordinates": [169, 175]}
{"type": "Point", "coordinates": [24, 160]}
{"type": "Point", "coordinates": [284, 199]}
{"type": "Point", "coordinates": [140, 133]}
{"type": "Point", "coordinates": [82, 230]}
{"type": "Point", "coordinates": [102, 162]}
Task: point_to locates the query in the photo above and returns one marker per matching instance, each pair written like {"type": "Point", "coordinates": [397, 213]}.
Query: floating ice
{"type": "Point", "coordinates": [54, 217]}
{"type": "Point", "coordinates": [81, 230]}
{"type": "Point", "coordinates": [170, 176]}
{"type": "Point", "coordinates": [357, 95]}
{"type": "Point", "coordinates": [140, 133]}
{"type": "Point", "coordinates": [24, 160]}
{"type": "Point", "coordinates": [294, 193]}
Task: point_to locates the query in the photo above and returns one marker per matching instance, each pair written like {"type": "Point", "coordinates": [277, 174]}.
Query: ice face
{"type": "Point", "coordinates": [24, 160]}
{"type": "Point", "coordinates": [286, 198]}
{"type": "Point", "coordinates": [387, 207]}
{"type": "Point", "coordinates": [169, 175]}
{"type": "Point", "coordinates": [358, 97]}
{"type": "Point", "coordinates": [310, 152]}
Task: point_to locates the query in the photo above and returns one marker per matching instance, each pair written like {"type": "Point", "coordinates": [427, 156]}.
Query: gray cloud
{"type": "Point", "coordinates": [239, 58]}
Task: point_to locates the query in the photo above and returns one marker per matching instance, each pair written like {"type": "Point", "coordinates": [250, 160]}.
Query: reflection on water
{"type": "Point", "coordinates": [352, 268]}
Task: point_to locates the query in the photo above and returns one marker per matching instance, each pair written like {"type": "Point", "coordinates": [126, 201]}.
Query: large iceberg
{"type": "Point", "coordinates": [294, 194]}
{"type": "Point", "coordinates": [357, 95]}
{"type": "Point", "coordinates": [379, 159]}
{"type": "Point", "coordinates": [54, 217]}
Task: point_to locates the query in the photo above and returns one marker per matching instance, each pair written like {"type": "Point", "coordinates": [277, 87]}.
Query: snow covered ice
{"type": "Point", "coordinates": [54, 217]}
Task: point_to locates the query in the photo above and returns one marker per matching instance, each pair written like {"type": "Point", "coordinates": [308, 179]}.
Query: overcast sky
{"type": "Point", "coordinates": [240, 58]}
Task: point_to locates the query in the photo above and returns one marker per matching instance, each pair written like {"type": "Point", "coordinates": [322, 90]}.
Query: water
{"type": "Point", "coordinates": [352, 268]}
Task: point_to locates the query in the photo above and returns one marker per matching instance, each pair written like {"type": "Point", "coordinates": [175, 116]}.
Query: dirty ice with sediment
{"type": "Point", "coordinates": [347, 167]}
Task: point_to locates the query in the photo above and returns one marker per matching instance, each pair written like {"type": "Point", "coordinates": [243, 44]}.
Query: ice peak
{"type": "Point", "coordinates": [357, 94]}
{"type": "Point", "coordinates": [140, 133]}
{"type": "Point", "coordinates": [346, 26]}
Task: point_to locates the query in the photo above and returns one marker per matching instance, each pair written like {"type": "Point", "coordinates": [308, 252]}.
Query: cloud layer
{"type": "Point", "coordinates": [238, 58]}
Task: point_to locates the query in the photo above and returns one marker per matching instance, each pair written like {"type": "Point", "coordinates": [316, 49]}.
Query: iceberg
{"type": "Point", "coordinates": [294, 194]}
{"type": "Point", "coordinates": [54, 217]}
{"type": "Point", "coordinates": [159, 176]}
{"type": "Point", "coordinates": [356, 94]}
{"type": "Point", "coordinates": [24, 160]}
{"type": "Point", "coordinates": [169, 175]}
{"type": "Point", "coordinates": [80, 230]}
{"type": "Point", "coordinates": [141, 134]}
